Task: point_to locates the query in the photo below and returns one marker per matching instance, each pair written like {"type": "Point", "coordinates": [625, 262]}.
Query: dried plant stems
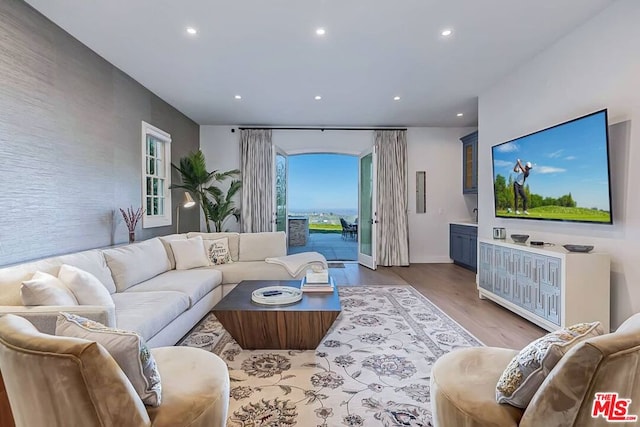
{"type": "Point", "coordinates": [131, 217]}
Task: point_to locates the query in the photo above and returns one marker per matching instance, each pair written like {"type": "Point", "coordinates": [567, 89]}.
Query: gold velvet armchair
{"type": "Point", "coordinates": [58, 381]}
{"type": "Point", "coordinates": [463, 384]}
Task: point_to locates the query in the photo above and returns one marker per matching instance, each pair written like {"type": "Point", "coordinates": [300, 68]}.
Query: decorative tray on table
{"type": "Point", "coordinates": [276, 295]}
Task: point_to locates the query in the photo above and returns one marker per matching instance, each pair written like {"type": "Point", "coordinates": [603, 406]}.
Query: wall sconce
{"type": "Point", "coordinates": [186, 203]}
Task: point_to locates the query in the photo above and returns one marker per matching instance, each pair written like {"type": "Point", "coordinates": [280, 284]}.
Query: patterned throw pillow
{"type": "Point", "coordinates": [127, 348]}
{"type": "Point", "coordinates": [528, 369]}
{"type": "Point", "coordinates": [218, 251]}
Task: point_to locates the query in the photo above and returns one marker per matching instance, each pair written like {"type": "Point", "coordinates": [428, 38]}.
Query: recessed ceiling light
{"type": "Point", "coordinates": [321, 31]}
{"type": "Point", "coordinates": [446, 32]}
{"type": "Point", "coordinates": [237, 97]}
{"type": "Point", "coordinates": [317, 98]}
{"type": "Point", "coordinates": [192, 31]}
{"type": "Point", "coordinates": [396, 98]}
{"type": "Point", "coordinates": [459, 114]}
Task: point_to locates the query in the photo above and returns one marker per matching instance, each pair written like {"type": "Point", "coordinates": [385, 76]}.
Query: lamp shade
{"type": "Point", "coordinates": [188, 200]}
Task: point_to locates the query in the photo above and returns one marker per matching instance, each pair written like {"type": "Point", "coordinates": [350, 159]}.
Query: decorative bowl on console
{"type": "Point", "coordinates": [579, 248]}
{"type": "Point", "coordinates": [519, 238]}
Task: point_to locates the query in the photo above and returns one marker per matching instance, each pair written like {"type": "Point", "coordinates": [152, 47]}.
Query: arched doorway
{"type": "Point", "coordinates": [322, 204]}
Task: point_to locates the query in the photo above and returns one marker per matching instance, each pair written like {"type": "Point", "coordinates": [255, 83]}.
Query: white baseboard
{"type": "Point", "coordinates": [431, 260]}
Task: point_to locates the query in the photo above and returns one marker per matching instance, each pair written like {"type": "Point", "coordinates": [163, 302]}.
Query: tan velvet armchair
{"type": "Point", "coordinates": [463, 384]}
{"type": "Point", "coordinates": [58, 381]}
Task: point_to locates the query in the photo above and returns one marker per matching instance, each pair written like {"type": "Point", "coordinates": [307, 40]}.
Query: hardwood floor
{"type": "Point", "coordinates": [355, 274]}
{"type": "Point", "coordinates": [6, 417]}
{"type": "Point", "coordinates": [453, 290]}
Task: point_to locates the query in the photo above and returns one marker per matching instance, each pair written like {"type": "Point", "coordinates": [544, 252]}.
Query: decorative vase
{"type": "Point", "coordinates": [132, 236]}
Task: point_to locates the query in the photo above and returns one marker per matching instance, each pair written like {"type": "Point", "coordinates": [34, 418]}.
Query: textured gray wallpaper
{"type": "Point", "coordinates": [70, 126]}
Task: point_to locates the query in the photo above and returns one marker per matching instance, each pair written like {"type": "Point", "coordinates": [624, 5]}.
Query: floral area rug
{"type": "Point", "coordinates": [371, 369]}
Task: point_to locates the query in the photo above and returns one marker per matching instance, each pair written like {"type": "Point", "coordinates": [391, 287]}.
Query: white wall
{"type": "Point", "coordinates": [596, 66]}
{"type": "Point", "coordinates": [221, 148]}
{"type": "Point", "coordinates": [329, 141]}
{"type": "Point", "coordinates": [437, 151]}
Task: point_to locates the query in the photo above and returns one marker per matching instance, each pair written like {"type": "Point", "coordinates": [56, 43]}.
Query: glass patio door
{"type": "Point", "coordinates": [367, 221]}
{"type": "Point", "coordinates": [280, 194]}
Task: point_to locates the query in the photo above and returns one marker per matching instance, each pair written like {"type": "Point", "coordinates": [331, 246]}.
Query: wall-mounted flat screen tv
{"type": "Point", "coordinates": [560, 173]}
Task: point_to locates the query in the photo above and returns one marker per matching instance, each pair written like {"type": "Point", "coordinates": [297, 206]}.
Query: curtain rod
{"type": "Point", "coordinates": [322, 129]}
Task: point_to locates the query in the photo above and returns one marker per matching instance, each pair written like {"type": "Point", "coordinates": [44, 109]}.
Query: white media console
{"type": "Point", "coordinates": [549, 286]}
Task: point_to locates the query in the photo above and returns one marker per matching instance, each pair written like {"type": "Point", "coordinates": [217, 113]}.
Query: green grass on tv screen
{"type": "Point", "coordinates": [561, 213]}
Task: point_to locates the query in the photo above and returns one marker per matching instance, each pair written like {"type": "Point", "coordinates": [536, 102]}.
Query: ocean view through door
{"type": "Point", "coordinates": [322, 202]}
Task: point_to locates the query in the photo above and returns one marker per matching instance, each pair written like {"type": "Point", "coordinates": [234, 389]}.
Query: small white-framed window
{"type": "Point", "coordinates": [156, 176]}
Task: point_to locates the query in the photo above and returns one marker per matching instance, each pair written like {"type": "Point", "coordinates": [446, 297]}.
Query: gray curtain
{"type": "Point", "coordinates": [393, 224]}
{"type": "Point", "coordinates": [256, 157]}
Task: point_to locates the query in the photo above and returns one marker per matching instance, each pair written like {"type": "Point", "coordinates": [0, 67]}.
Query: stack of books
{"type": "Point", "coordinates": [307, 286]}
{"type": "Point", "coordinates": [317, 274]}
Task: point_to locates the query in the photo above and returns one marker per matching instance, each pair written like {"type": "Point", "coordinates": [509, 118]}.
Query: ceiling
{"type": "Point", "coordinates": [268, 52]}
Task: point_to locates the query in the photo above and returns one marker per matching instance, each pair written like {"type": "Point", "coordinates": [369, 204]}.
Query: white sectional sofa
{"type": "Point", "coordinates": [150, 296]}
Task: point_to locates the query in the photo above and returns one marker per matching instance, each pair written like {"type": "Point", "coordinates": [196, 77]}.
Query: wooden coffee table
{"type": "Point", "coordinates": [298, 326]}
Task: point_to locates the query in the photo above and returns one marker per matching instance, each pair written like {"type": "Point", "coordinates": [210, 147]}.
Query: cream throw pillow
{"type": "Point", "coordinates": [85, 286]}
{"type": "Point", "coordinates": [45, 289]}
{"type": "Point", "coordinates": [189, 253]}
{"type": "Point", "coordinates": [127, 348]}
{"type": "Point", "coordinates": [218, 251]}
{"type": "Point", "coordinates": [528, 369]}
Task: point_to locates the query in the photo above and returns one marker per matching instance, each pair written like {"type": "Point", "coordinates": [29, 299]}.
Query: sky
{"type": "Point", "coordinates": [323, 182]}
{"type": "Point", "coordinates": [570, 158]}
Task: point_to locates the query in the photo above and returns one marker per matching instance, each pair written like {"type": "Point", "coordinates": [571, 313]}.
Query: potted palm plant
{"type": "Point", "coordinates": [222, 206]}
{"type": "Point", "coordinates": [200, 183]}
